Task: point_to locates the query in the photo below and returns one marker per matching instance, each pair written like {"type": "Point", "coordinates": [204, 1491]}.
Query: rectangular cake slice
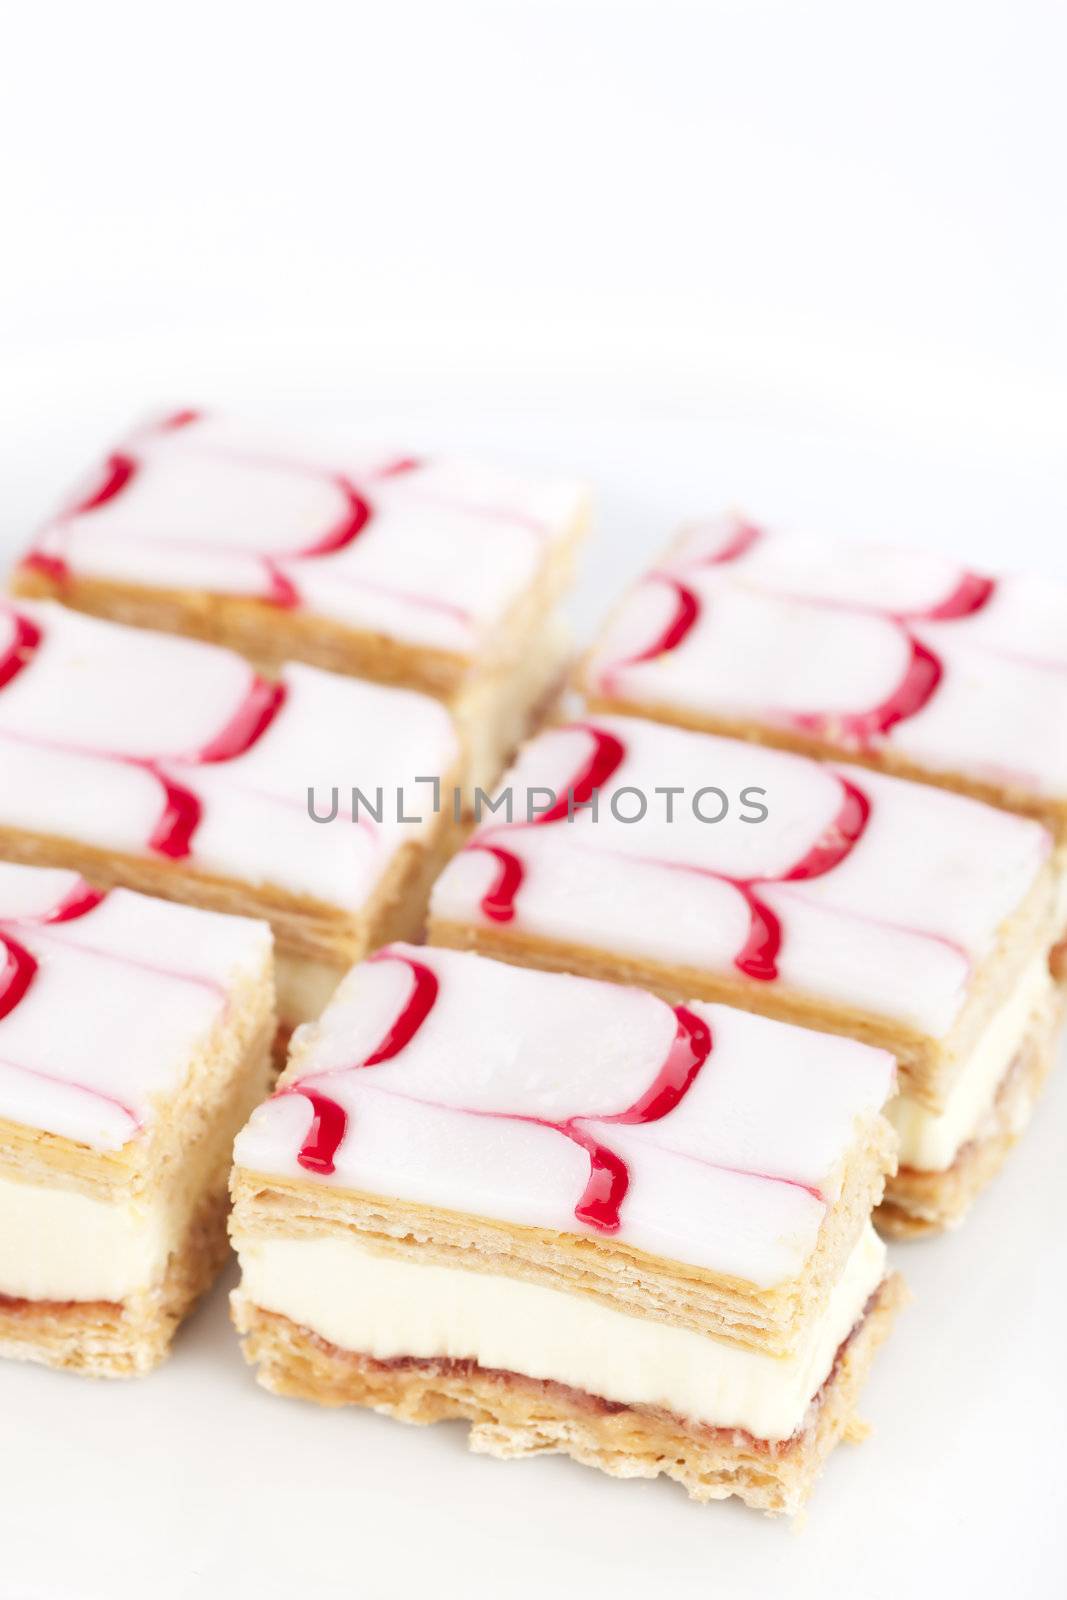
{"type": "Point", "coordinates": [134, 1041]}
{"type": "Point", "coordinates": [833, 896]}
{"type": "Point", "coordinates": [437, 575]}
{"type": "Point", "coordinates": [173, 767]}
{"type": "Point", "coordinates": [896, 658]}
{"type": "Point", "coordinates": [581, 1218]}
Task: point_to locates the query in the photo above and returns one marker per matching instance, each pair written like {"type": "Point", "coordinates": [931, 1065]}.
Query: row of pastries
{"type": "Point", "coordinates": [618, 1026]}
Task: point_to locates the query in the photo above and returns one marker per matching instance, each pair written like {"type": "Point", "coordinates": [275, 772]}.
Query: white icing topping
{"type": "Point", "coordinates": [445, 549]}
{"type": "Point", "coordinates": [96, 719]}
{"type": "Point", "coordinates": [105, 1000]}
{"type": "Point", "coordinates": [388, 1309]}
{"type": "Point", "coordinates": [467, 1115]}
{"type": "Point", "coordinates": [791, 628]}
{"type": "Point", "coordinates": [895, 927]}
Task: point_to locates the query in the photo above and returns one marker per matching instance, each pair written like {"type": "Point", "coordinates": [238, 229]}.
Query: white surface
{"type": "Point", "coordinates": [805, 258]}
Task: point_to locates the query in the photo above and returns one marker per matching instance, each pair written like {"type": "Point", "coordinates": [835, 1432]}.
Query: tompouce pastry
{"type": "Point", "coordinates": [833, 896]}
{"type": "Point", "coordinates": [173, 767]}
{"type": "Point", "coordinates": [580, 1218]}
{"type": "Point", "coordinates": [134, 1040]}
{"type": "Point", "coordinates": [894, 658]}
{"type": "Point", "coordinates": [435, 575]}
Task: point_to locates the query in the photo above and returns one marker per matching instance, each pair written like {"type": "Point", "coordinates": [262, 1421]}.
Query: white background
{"type": "Point", "coordinates": [810, 258]}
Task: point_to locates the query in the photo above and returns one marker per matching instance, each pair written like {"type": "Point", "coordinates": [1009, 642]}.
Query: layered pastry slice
{"type": "Point", "coordinates": [436, 575]}
{"type": "Point", "coordinates": [898, 659]}
{"type": "Point", "coordinates": [833, 896]}
{"type": "Point", "coordinates": [134, 1040]}
{"type": "Point", "coordinates": [173, 767]}
{"type": "Point", "coordinates": [579, 1218]}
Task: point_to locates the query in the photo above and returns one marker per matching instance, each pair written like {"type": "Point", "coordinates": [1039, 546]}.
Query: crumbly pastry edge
{"type": "Point", "coordinates": [128, 1338]}
{"type": "Point", "coordinates": [121, 1339]}
{"type": "Point", "coordinates": [512, 1416]}
{"type": "Point", "coordinates": [920, 1203]}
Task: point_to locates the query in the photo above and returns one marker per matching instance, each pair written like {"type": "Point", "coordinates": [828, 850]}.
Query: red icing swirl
{"type": "Point", "coordinates": [173, 834]}
{"type": "Point", "coordinates": [122, 469]}
{"type": "Point", "coordinates": [600, 1204]}
{"type": "Point", "coordinates": [759, 955]}
{"type": "Point", "coordinates": [20, 969]}
{"type": "Point", "coordinates": [860, 730]}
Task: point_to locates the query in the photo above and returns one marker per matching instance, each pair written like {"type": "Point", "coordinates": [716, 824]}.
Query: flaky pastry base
{"type": "Point", "coordinates": [185, 1158]}
{"type": "Point", "coordinates": [512, 1415]}
{"type": "Point", "coordinates": [918, 1203]}
{"type": "Point", "coordinates": [127, 1338]}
